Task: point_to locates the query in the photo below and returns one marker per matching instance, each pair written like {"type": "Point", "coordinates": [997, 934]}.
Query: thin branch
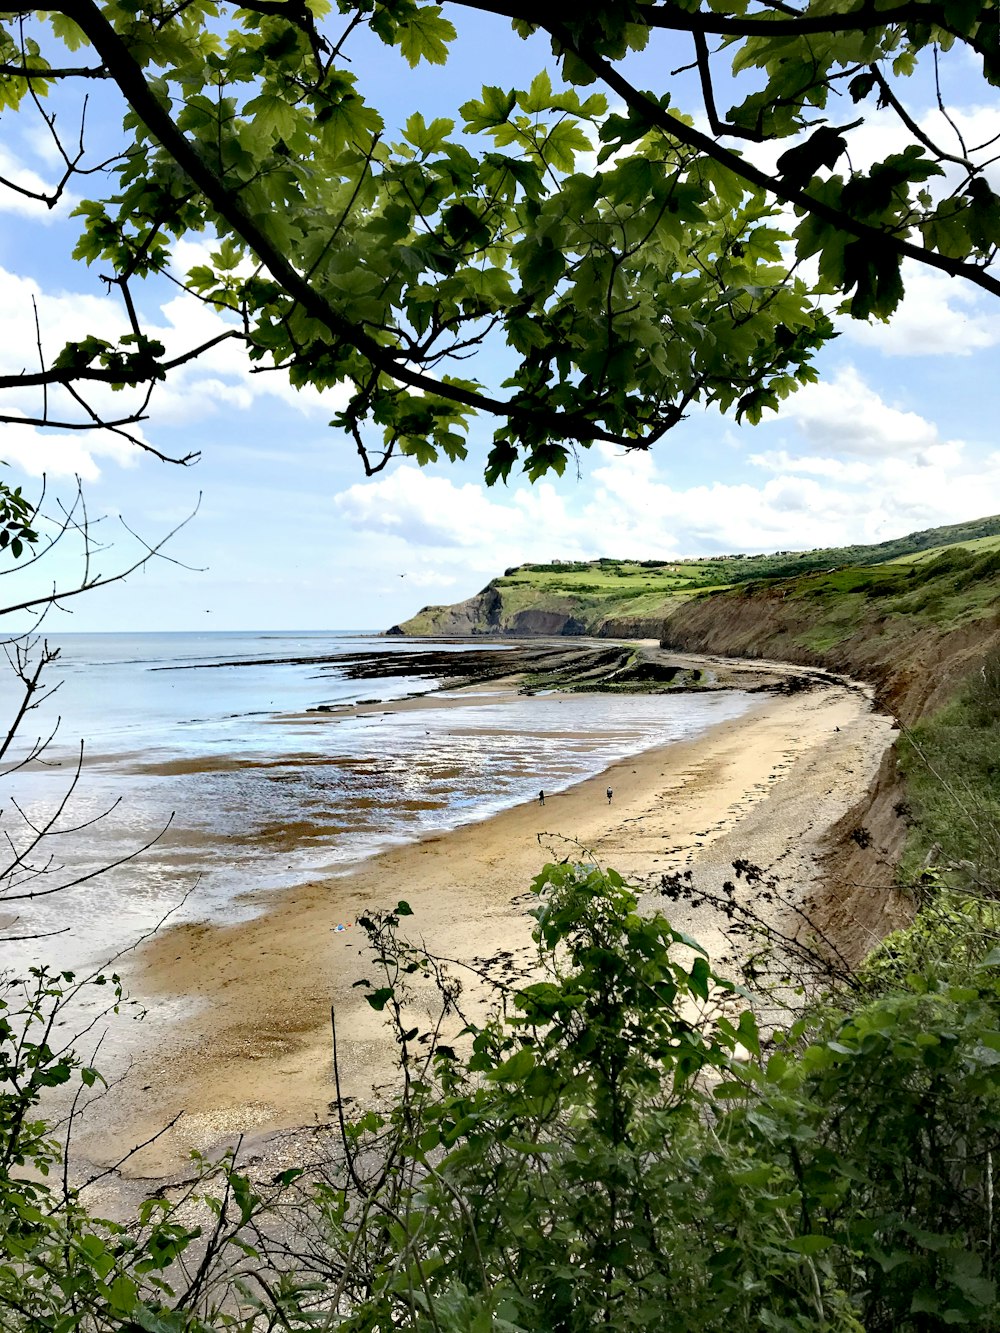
{"type": "Point", "coordinates": [719, 126]}
{"type": "Point", "coordinates": [37, 72]}
{"type": "Point", "coordinates": [102, 582]}
{"type": "Point", "coordinates": [887, 96]}
{"type": "Point", "coordinates": [112, 374]}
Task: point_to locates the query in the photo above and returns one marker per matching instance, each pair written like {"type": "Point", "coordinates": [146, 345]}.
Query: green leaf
{"type": "Point", "coordinates": [539, 96]}
{"type": "Point", "coordinates": [516, 1069]}
{"type": "Point", "coordinates": [811, 1244]}
{"type": "Point", "coordinates": [428, 138]}
{"type": "Point", "coordinates": [494, 109]}
{"type": "Point", "coordinates": [700, 977]}
{"type": "Point", "coordinates": [425, 36]}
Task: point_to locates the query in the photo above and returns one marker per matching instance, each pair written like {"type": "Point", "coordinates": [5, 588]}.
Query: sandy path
{"type": "Point", "coordinates": [256, 1054]}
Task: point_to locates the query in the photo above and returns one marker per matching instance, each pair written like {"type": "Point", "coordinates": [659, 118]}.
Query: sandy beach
{"type": "Point", "coordinates": [252, 1052]}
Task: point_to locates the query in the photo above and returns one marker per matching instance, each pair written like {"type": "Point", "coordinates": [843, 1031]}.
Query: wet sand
{"type": "Point", "coordinates": [253, 1052]}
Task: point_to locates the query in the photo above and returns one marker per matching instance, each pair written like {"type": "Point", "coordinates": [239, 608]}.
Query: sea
{"type": "Point", "coordinates": [204, 788]}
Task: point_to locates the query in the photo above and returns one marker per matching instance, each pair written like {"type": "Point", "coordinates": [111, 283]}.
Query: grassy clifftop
{"type": "Point", "coordinates": [569, 599]}
{"type": "Point", "coordinates": [626, 598]}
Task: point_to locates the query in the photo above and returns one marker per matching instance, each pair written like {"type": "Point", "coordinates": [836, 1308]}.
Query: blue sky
{"type": "Point", "coordinates": [899, 435]}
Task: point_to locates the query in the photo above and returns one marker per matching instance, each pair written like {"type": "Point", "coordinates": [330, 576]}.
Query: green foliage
{"type": "Point", "coordinates": [952, 765]}
{"type": "Point", "coordinates": [948, 939]}
{"type": "Point", "coordinates": [61, 1268]}
{"type": "Point", "coordinates": [622, 1150]}
{"type": "Point", "coordinates": [354, 253]}
{"type": "Point", "coordinates": [16, 517]}
{"type": "Point", "coordinates": [617, 1147]}
{"type": "Point", "coordinates": [135, 360]}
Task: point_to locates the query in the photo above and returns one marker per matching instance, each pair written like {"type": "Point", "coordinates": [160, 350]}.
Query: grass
{"type": "Point", "coordinates": [977, 546]}
{"type": "Point", "coordinates": [955, 588]}
{"type": "Point", "coordinates": [615, 581]}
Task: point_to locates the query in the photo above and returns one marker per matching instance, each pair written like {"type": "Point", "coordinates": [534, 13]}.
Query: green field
{"type": "Point", "coordinates": [596, 592]}
{"type": "Point", "coordinates": [610, 587]}
{"type": "Point", "coordinates": [631, 581]}
{"type": "Point", "coordinates": [977, 546]}
{"type": "Point", "coordinates": [647, 588]}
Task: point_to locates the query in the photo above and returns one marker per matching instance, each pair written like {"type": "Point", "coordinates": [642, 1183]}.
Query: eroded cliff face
{"type": "Point", "coordinates": [487, 613]}
{"type": "Point", "coordinates": [915, 669]}
{"type": "Point", "coordinates": [630, 627]}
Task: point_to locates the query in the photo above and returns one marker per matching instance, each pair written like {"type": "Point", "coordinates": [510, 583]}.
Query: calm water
{"type": "Point", "coordinates": [260, 799]}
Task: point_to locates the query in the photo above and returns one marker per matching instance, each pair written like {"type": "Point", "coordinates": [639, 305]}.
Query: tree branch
{"type": "Point", "coordinates": [677, 129]}
{"type": "Point", "coordinates": [32, 72]}
{"type": "Point", "coordinates": [789, 23]}
{"type": "Point", "coordinates": [111, 374]}
{"type": "Point", "coordinates": [132, 82]}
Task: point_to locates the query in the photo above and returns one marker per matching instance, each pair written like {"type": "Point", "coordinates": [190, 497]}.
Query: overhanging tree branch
{"type": "Point", "coordinates": [113, 374]}
{"type": "Point", "coordinates": [227, 203]}
{"type": "Point", "coordinates": [788, 23]}
{"type": "Point", "coordinates": [657, 117]}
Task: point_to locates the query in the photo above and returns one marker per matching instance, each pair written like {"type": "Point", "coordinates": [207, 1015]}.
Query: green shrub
{"type": "Point", "coordinates": [983, 567]}
{"type": "Point", "coordinates": [578, 1170]}
{"type": "Point", "coordinates": [948, 562]}
{"type": "Point", "coordinates": [951, 762]}
{"type": "Point", "coordinates": [946, 941]}
{"type": "Point", "coordinates": [615, 1149]}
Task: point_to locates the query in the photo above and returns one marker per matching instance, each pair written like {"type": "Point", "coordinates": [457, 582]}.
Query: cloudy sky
{"type": "Point", "coordinates": [900, 434]}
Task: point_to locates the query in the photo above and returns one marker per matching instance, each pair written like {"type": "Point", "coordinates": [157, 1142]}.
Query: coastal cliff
{"type": "Point", "coordinates": [916, 635]}
{"type": "Point", "coordinates": [494, 611]}
{"type": "Point", "coordinates": [914, 630]}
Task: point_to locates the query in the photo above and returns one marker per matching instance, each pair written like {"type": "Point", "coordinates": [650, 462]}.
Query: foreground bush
{"type": "Point", "coordinates": [616, 1148]}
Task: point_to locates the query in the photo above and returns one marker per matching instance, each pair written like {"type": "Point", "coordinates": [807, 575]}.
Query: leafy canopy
{"type": "Point", "coordinates": [618, 260]}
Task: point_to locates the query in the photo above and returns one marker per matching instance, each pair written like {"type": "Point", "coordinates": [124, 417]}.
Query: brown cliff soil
{"type": "Point", "coordinates": [914, 647]}
{"type": "Point", "coordinates": [915, 667]}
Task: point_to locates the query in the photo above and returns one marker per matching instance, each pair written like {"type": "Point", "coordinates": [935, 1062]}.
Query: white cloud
{"type": "Point", "coordinates": [780, 461]}
{"type": "Point", "coordinates": [939, 316]}
{"type": "Point", "coordinates": [813, 501]}
{"type": "Point", "coordinates": [867, 471]}
{"type": "Point", "coordinates": [844, 415]}
{"type": "Point", "coordinates": [38, 452]}
{"type": "Point", "coordinates": [424, 578]}
{"type": "Point", "coordinates": [432, 511]}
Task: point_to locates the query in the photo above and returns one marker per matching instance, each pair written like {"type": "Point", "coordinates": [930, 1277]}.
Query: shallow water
{"type": "Point", "coordinates": [263, 795]}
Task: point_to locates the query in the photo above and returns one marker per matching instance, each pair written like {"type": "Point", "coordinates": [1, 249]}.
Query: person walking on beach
{"type": "Point", "coordinates": [541, 798]}
{"type": "Point", "coordinates": [610, 794]}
